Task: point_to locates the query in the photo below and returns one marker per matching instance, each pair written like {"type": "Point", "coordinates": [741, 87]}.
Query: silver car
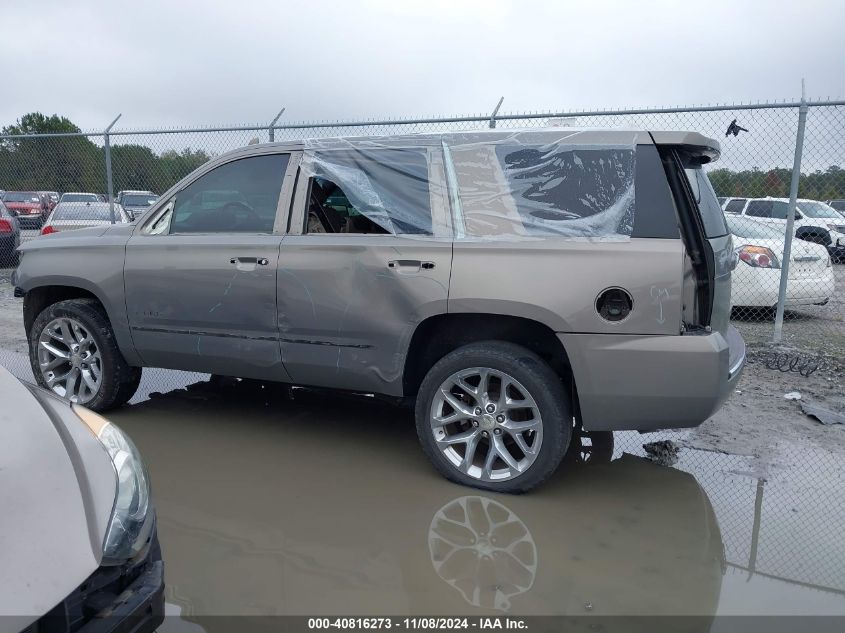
{"type": "Point", "coordinates": [69, 216]}
{"type": "Point", "coordinates": [135, 202]}
{"type": "Point", "coordinates": [510, 285]}
{"type": "Point", "coordinates": [78, 532]}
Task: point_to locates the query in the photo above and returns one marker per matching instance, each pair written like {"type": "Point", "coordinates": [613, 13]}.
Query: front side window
{"type": "Point", "coordinates": [238, 197]}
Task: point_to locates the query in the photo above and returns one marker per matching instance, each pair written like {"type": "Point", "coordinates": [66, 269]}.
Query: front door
{"type": "Point", "coordinates": [200, 274]}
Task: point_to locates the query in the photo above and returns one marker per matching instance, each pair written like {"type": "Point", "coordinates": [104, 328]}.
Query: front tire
{"type": "Point", "coordinates": [494, 415]}
{"type": "Point", "coordinates": [73, 353]}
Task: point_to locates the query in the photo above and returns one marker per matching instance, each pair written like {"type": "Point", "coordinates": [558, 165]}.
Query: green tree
{"type": "Point", "coordinates": [60, 163]}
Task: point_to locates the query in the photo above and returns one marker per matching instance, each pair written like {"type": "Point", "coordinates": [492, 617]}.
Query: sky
{"type": "Point", "coordinates": [168, 63]}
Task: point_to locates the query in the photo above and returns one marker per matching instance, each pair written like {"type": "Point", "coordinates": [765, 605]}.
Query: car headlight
{"type": "Point", "coordinates": [132, 518]}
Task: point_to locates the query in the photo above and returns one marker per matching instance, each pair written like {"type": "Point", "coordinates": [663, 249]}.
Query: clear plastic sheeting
{"type": "Point", "coordinates": [554, 183]}
{"type": "Point", "coordinates": [499, 185]}
{"type": "Point", "coordinates": [368, 187]}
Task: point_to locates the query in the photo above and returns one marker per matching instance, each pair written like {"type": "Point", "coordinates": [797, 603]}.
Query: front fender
{"type": "Point", "coordinates": [91, 261]}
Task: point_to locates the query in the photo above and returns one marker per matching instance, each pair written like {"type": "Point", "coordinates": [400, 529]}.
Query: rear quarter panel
{"type": "Point", "coordinates": [556, 282]}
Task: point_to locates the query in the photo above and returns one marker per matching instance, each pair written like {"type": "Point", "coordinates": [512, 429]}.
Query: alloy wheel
{"type": "Point", "coordinates": [486, 424]}
{"type": "Point", "coordinates": [69, 360]}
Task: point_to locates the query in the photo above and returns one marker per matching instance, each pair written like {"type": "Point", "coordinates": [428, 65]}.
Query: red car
{"type": "Point", "coordinates": [30, 207]}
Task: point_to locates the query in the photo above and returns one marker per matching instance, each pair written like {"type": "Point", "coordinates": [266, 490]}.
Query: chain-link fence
{"type": "Point", "coordinates": [60, 182]}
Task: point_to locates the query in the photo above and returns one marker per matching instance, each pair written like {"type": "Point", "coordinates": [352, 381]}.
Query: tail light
{"type": "Point", "coordinates": [5, 226]}
{"type": "Point", "coordinates": [758, 257]}
{"type": "Point", "coordinates": [47, 230]}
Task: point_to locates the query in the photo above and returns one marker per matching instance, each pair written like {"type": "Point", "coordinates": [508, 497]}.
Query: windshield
{"type": "Point", "coordinates": [818, 210]}
{"type": "Point", "coordinates": [86, 212]}
{"type": "Point", "coordinates": [80, 197]}
{"type": "Point", "coordinates": [743, 227]}
{"type": "Point", "coordinates": [22, 196]}
{"type": "Point", "coordinates": [139, 200]}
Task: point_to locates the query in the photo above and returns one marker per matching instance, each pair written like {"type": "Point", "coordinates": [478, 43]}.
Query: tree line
{"type": "Point", "coordinates": [75, 163]}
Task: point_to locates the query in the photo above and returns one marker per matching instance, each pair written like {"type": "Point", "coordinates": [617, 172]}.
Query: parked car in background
{"type": "Point", "coordinates": [814, 221]}
{"type": "Point", "coordinates": [733, 205]}
{"type": "Point", "coordinates": [839, 205]}
{"type": "Point", "coordinates": [79, 538]}
{"type": "Point", "coordinates": [68, 216]}
{"type": "Point", "coordinates": [51, 198]}
{"type": "Point", "coordinates": [435, 269]}
{"type": "Point", "coordinates": [135, 202]}
{"type": "Point", "coordinates": [30, 207]}
{"type": "Point", "coordinates": [77, 196]}
{"type": "Point", "coordinates": [756, 278]}
{"type": "Point", "coordinates": [10, 238]}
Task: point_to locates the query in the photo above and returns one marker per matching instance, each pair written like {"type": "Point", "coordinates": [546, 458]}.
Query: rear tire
{"type": "Point", "coordinates": [459, 439]}
{"type": "Point", "coordinates": [85, 320]}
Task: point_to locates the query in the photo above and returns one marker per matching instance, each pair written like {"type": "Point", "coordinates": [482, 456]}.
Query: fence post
{"type": "Point", "coordinates": [790, 216]}
{"type": "Point", "coordinates": [272, 128]}
{"type": "Point", "coordinates": [109, 184]}
{"type": "Point", "coordinates": [495, 112]}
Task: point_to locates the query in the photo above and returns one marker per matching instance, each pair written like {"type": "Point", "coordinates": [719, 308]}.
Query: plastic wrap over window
{"type": "Point", "coordinates": [540, 184]}
{"type": "Point", "coordinates": [370, 187]}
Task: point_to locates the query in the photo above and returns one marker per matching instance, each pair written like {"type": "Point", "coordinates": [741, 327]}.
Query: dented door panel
{"type": "Point", "coordinates": [349, 304]}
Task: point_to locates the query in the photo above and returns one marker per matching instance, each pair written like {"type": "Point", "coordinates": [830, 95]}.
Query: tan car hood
{"type": "Point", "coordinates": [50, 524]}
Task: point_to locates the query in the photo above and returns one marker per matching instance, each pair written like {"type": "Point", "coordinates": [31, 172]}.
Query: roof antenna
{"type": "Point", "coordinates": [735, 129]}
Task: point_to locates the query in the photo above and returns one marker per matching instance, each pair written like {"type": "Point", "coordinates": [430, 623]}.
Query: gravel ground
{"type": "Point", "coordinates": [756, 420]}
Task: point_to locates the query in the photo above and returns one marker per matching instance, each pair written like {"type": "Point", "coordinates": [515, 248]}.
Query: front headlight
{"type": "Point", "coordinates": [132, 517]}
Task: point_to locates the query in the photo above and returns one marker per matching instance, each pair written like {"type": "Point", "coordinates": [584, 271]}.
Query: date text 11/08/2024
{"type": "Point", "coordinates": [423, 623]}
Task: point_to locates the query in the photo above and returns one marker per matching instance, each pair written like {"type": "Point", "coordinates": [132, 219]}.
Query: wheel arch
{"type": "Point", "coordinates": [437, 335]}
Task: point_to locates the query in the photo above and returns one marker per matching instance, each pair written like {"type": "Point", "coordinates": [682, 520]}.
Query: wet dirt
{"type": "Point", "coordinates": [273, 501]}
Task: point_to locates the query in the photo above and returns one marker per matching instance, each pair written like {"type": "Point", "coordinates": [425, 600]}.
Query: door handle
{"type": "Point", "coordinates": [414, 264]}
{"type": "Point", "coordinates": [261, 261]}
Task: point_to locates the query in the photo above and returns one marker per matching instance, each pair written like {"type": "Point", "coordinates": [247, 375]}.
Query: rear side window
{"type": "Point", "coordinates": [735, 206]}
{"type": "Point", "coordinates": [709, 207]}
{"type": "Point", "coordinates": [538, 190]}
{"type": "Point", "coordinates": [759, 209]}
{"type": "Point", "coordinates": [368, 191]}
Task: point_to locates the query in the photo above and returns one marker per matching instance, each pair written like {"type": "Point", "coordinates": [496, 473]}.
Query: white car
{"type": "Point", "coordinates": [68, 216]}
{"type": "Point", "coordinates": [814, 221]}
{"type": "Point", "coordinates": [756, 278]}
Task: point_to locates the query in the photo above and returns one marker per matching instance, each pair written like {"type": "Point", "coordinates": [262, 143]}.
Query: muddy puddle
{"type": "Point", "coordinates": [322, 504]}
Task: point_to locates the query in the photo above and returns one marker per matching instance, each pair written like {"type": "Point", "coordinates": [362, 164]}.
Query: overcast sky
{"type": "Point", "coordinates": [167, 62]}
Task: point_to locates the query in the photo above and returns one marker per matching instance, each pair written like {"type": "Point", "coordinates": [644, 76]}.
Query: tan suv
{"type": "Point", "coordinates": [514, 285]}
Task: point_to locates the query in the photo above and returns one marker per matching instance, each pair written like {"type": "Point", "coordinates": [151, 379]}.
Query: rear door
{"type": "Point", "coordinates": [367, 258]}
{"type": "Point", "coordinates": [200, 274]}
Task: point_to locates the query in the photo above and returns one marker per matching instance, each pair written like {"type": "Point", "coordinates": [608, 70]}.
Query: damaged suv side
{"type": "Point", "coordinates": [507, 282]}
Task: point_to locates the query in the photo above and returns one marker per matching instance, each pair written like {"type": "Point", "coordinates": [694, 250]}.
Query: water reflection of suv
{"type": "Point", "coordinates": [502, 282]}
